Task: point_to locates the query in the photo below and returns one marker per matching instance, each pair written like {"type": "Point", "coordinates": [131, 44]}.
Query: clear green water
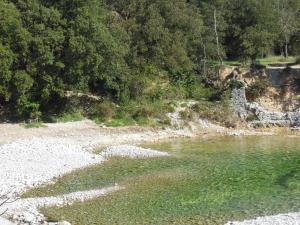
{"type": "Point", "coordinates": [205, 182]}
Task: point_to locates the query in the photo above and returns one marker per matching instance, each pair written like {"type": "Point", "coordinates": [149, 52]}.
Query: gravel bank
{"type": "Point", "coordinates": [281, 219]}
{"type": "Point", "coordinates": [25, 211]}
{"type": "Point", "coordinates": [27, 163]}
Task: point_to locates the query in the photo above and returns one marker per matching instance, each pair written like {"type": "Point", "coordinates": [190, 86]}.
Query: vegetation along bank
{"type": "Point", "coordinates": [127, 62]}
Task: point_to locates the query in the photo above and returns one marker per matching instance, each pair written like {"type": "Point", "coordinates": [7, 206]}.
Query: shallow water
{"type": "Point", "coordinates": [207, 181]}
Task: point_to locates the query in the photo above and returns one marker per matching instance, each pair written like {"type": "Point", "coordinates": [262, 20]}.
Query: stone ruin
{"type": "Point", "coordinates": [257, 115]}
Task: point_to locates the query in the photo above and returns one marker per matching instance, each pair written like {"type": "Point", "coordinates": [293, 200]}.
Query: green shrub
{"type": "Point", "coordinates": [258, 89]}
{"type": "Point", "coordinates": [176, 92]}
{"type": "Point", "coordinates": [198, 92]}
{"type": "Point", "coordinates": [32, 110]}
{"type": "Point", "coordinates": [119, 122]}
{"type": "Point", "coordinates": [235, 84]}
{"type": "Point", "coordinates": [33, 125]}
{"type": "Point", "coordinates": [105, 110]}
{"type": "Point", "coordinates": [158, 94]}
{"type": "Point", "coordinates": [219, 112]}
{"type": "Point", "coordinates": [189, 85]}
{"type": "Point", "coordinates": [67, 117]}
{"type": "Point", "coordinates": [145, 111]}
{"type": "Point", "coordinates": [70, 105]}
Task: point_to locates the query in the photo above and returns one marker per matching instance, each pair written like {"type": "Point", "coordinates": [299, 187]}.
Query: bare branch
{"type": "Point", "coordinates": [6, 199]}
{"type": "Point", "coordinates": [5, 211]}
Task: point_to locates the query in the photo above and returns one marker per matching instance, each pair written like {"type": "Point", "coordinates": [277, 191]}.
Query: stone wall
{"type": "Point", "coordinates": [239, 102]}
{"type": "Point", "coordinates": [245, 109]}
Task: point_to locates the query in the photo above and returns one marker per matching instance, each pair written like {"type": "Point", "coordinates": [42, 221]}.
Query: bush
{"type": "Point", "coordinates": [258, 89]}
{"type": "Point", "coordinates": [158, 94]}
{"type": "Point", "coordinates": [119, 122]}
{"type": "Point", "coordinates": [176, 92]}
{"type": "Point", "coordinates": [32, 110]}
{"type": "Point", "coordinates": [67, 117]}
{"type": "Point", "coordinates": [235, 84]}
{"type": "Point", "coordinates": [219, 112]}
{"type": "Point", "coordinates": [33, 125]}
{"type": "Point", "coordinates": [189, 85]}
{"type": "Point", "coordinates": [104, 110]}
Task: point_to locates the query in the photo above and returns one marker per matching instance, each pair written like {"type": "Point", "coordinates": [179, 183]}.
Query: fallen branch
{"type": "Point", "coordinates": [5, 199]}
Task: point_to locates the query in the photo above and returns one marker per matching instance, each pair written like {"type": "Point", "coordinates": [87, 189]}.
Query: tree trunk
{"type": "Point", "coordinates": [286, 50]}
{"type": "Point", "coordinates": [217, 37]}
{"type": "Point", "coordinates": [204, 57]}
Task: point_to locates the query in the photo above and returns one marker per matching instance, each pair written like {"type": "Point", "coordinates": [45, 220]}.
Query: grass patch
{"type": "Point", "coordinates": [67, 117]}
{"type": "Point", "coordinates": [205, 182]}
{"type": "Point", "coordinates": [33, 125]}
{"type": "Point", "coordinates": [277, 60]}
{"type": "Point", "coordinates": [280, 60]}
{"type": "Point", "coordinates": [232, 63]}
{"type": "Point", "coordinates": [143, 112]}
{"type": "Point", "coordinates": [116, 122]}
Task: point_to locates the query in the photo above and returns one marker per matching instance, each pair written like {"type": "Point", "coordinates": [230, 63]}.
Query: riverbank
{"type": "Point", "coordinates": [33, 157]}
{"type": "Point", "coordinates": [73, 145]}
{"type": "Point", "coordinates": [91, 134]}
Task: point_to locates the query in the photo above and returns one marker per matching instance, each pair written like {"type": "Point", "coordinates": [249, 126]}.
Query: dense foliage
{"type": "Point", "coordinates": [123, 49]}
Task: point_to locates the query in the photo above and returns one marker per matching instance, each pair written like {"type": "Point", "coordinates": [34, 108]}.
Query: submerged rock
{"type": "Point", "coordinates": [132, 152]}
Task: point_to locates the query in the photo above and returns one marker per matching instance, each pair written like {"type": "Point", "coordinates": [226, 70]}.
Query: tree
{"type": "Point", "coordinates": [288, 11]}
{"type": "Point", "coordinates": [161, 32]}
{"type": "Point", "coordinates": [217, 36]}
{"type": "Point", "coordinates": [14, 48]}
{"type": "Point", "coordinates": [214, 27]}
{"type": "Point", "coordinates": [251, 28]}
